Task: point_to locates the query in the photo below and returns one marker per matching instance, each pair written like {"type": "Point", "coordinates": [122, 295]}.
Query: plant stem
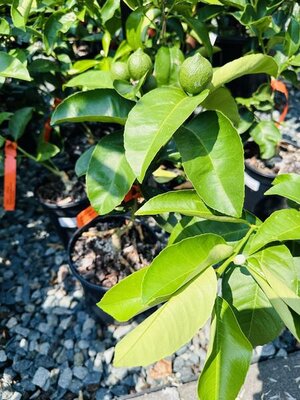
{"type": "Point", "coordinates": [238, 248]}
{"type": "Point", "coordinates": [53, 169]}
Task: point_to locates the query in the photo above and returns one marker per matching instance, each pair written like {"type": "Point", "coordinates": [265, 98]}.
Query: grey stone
{"type": "Point", "coordinates": [78, 359]}
{"type": "Point", "coordinates": [108, 355]}
{"type": "Point", "coordinates": [22, 331]}
{"type": "Point", "coordinates": [24, 344]}
{"type": "Point", "coordinates": [119, 390]}
{"type": "Point", "coordinates": [41, 377]}
{"type": "Point", "coordinates": [267, 350]}
{"type": "Point", "coordinates": [3, 356]}
{"type": "Point", "coordinates": [65, 378]}
{"type": "Point", "coordinates": [80, 372]}
{"type": "Point", "coordinates": [11, 322]}
{"type": "Point", "coordinates": [69, 344]}
{"type": "Point", "coordinates": [178, 364]}
{"type": "Point", "coordinates": [21, 366]}
{"type": "Point", "coordinates": [16, 396]}
{"type": "Point", "coordinates": [65, 302]}
{"type": "Point", "coordinates": [281, 353]}
{"type": "Point", "coordinates": [44, 348]}
{"type": "Point", "coordinates": [89, 324]}
{"type": "Point", "coordinates": [98, 363]}
{"type": "Point", "coordinates": [83, 344]}
{"type": "Point", "coordinates": [44, 328]}
{"type": "Point", "coordinates": [101, 393]}
{"type": "Point", "coordinates": [65, 323]}
{"type": "Point", "coordinates": [92, 378]}
{"type": "Point", "coordinates": [75, 386]}
{"type": "Point", "coordinates": [122, 331]}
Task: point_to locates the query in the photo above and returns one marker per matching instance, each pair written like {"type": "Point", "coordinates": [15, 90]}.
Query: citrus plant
{"type": "Point", "coordinates": [215, 240]}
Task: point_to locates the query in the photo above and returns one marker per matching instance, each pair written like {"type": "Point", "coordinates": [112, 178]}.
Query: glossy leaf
{"type": "Point", "coordinates": [108, 10]}
{"type": "Point", "coordinates": [251, 306]}
{"type": "Point", "coordinates": [292, 38]}
{"type": "Point", "coordinates": [124, 300]}
{"type": "Point", "coordinates": [20, 10]}
{"type": "Point", "coordinates": [45, 151]}
{"type": "Point", "coordinates": [18, 122]}
{"type": "Point", "coordinates": [222, 100]}
{"type": "Point", "coordinates": [179, 263]}
{"type": "Point", "coordinates": [267, 136]}
{"type": "Point", "coordinates": [231, 232]}
{"type": "Point", "coordinates": [100, 105]}
{"type": "Point", "coordinates": [278, 267]}
{"type": "Point", "coordinates": [247, 65]}
{"type": "Point", "coordinates": [11, 67]}
{"type": "Point", "coordinates": [59, 21]}
{"type": "Point", "coordinates": [229, 357]}
{"type": "Point", "coordinates": [109, 177]}
{"type": "Point", "coordinates": [83, 161]}
{"type": "Point", "coordinates": [280, 226]}
{"type": "Point", "coordinates": [5, 116]}
{"type": "Point", "coordinates": [171, 326]}
{"type": "Point", "coordinates": [186, 202]}
{"type": "Point", "coordinates": [201, 31]}
{"type": "Point", "coordinates": [288, 316]}
{"type": "Point", "coordinates": [82, 66]}
{"type": "Point", "coordinates": [92, 80]}
{"type": "Point", "coordinates": [214, 162]}
{"type": "Point", "coordinates": [286, 185]}
{"type": "Point", "coordinates": [153, 121]}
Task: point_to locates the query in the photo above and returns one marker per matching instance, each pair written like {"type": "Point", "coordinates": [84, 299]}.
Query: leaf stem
{"type": "Point", "coordinates": [238, 248]}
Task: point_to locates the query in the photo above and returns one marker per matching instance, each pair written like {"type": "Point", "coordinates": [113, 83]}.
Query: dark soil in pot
{"type": "Point", "coordinates": [63, 203]}
{"type": "Point", "coordinates": [259, 175]}
{"type": "Point", "coordinates": [106, 251]}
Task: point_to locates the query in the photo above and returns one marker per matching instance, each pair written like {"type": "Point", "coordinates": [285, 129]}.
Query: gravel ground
{"type": "Point", "coordinates": [50, 346]}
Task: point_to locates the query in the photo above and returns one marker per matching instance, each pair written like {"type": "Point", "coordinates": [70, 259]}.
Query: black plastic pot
{"type": "Point", "coordinates": [256, 184]}
{"type": "Point", "coordinates": [64, 217]}
{"type": "Point", "coordinates": [94, 293]}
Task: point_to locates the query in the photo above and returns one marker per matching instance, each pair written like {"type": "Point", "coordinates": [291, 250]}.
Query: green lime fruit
{"type": "Point", "coordinates": [119, 70]}
{"type": "Point", "coordinates": [150, 84]}
{"type": "Point", "coordinates": [139, 63]}
{"type": "Point", "coordinates": [195, 74]}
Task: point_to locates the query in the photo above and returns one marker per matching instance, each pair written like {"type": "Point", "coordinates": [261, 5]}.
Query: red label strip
{"type": "Point", "coordinates": [86, 216]}
{"type": "Point", "coordinates": [279, 86]}
{"type": "Point", "coordinates": [134, 193]}
{"type": "Point", "coordinates": [10, 175]}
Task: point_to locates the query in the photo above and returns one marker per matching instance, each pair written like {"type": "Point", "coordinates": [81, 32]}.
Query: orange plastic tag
{"type": "Point", "coordinates": [10, 175]}
{"type": "Point", "coordinates": [281, 87]}
{"type": "Point", "coordinates": [47, 130]}
{"type": "Point", "coordinates": [134, 193]}
{"type": "Point", "coordinates": [86, 216]}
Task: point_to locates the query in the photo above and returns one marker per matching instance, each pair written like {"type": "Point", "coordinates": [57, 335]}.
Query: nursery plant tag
{"type": "Point", "coordinates": [10, 175]}
{"type": "Point", "coordinates": [86, 216]}
{"type": "Point", "coordinates": [281, 87]}
{"type": "Point", "coordinates": [47, 130]}
{"type": "Point", "coordinates": [134, 193]}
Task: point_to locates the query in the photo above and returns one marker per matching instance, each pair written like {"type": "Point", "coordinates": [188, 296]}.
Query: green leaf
{"type": "Point", "coordinates": [162, 66]}
{"type": "Point", "coordinates": [5, 116]}
{"type": "Point", "coordinates": [4, 27]}
{"type": "Point", "coordinates": [160, 112]}
{"type": "Point", "coordinates": [20, 10]}
{"type": "Point", "coordinates": [201, 31]}
{"type": "Point", "coordinates": [92, 80]}
{"type": "Point", "coordinates": [247, 65]}
{"type": "Point", "coordinates": [171, 326]}
{"type": "Point", "coordinates": [100, 105]}
{"type": "Point", "coordinates": [292, 38]}
{"type": "Point", "coordinates": [82, 66]}
{"type": "Point", "coordinates": [186, 202]}
{"type": "Point", "coordinates": [231, 232]}
{"type": "Point", "coordinates": [136, 26]}
{"type": "Point", "coordinates": [59, 21]}
{"type": "Point", "coordinates": [229, 357]}
{"type": "Point", "coordinates": [82, 163]}
{"type": "Point", "coordinates": [251, 306]}
{"type": "Point", "coordinates": [18, 122]}
{"type": "Point", "coordinates": [179, 263]}
{"type": "Point", "coordinates": [288, 316]}
{"type": "Point", "coordinates": [222, 100]}
{"type": "Point", "coordinates": [286, 185]}
{"type": "Point", "coordinates": [278, 267]}
{"type": "Point", "coordinates": [124, 300]}
{"type": "Point", "coordinates": [267, 136]}
{"type": "Point", "coordinates": [214, 163]}
{"type": "Point", "coordinates": [108, 10]}
{"type": "Point", "coordinates": [11, 67]}
{"type": "Point", "coordinates": [109, 176]}
{"type": "Point", "coordinates": [280, 226]}
{"type": "Point", "coordinates": [46, 150]}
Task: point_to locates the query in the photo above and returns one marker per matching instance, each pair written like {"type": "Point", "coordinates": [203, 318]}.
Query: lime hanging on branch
{"type": "Point", "coordinates": [195, 74]}
{"type": "Point", "coordinates": [119, 70]}
{"type": "Point", "coordinates": [139, 63]}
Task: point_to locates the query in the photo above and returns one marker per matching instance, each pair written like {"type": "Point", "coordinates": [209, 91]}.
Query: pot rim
{"type": "Point", "coordinates": [79, 231]}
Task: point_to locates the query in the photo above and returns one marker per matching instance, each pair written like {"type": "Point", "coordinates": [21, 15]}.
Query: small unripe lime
{"type": "Point", "coordinates": [119, 70]}
{"type": "Point", "coordinates": [139, 63]}
{"type": "Point", "coordinates": [195, 74]}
